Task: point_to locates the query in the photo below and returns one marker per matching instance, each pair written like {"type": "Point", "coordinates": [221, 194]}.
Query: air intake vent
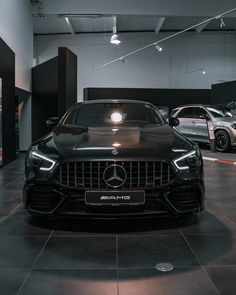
{"type": "Point", "coordinates": [185, 199]}
{"type": "Point", "coordinates": [43, 199]}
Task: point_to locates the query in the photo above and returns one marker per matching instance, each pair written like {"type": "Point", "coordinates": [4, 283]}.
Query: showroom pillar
{"type": "Point", "coordinates": [7, 111]}
{"type": "Point", "coordinates": [54, 89]}
{"type": "Point", "coordinates": [67, 79]}
{"type": "Point", "coordinates": [44, 96]}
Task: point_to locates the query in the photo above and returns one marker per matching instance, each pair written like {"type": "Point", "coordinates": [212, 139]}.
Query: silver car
{"type": "Point", "coordinates": [193, 124]}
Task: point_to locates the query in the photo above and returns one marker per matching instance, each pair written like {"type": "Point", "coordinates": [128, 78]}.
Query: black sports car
{"type": "Point", "coordinates": [113, 158]}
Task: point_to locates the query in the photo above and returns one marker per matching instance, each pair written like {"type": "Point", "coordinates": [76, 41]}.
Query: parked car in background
{"type": "Point", "coordinates": [193, 125]}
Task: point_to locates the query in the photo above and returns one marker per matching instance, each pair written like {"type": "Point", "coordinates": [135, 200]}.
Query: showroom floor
{"type": "Point", "coordinates": [120, 257]}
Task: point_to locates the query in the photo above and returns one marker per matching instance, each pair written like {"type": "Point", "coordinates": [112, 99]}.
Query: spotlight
{"type": "Point", "coordinates": [159, 48]}
{"type": "Point", "coordinates": [123, 60]}
{"type": "Point", "coordinates": [115, 37]}
{"type": "Point", "coordinates": [116, 117]}
{"type": "Point", "coordinates": [116, 144]}
{"type": "Point", "coordinates": [204, 72]}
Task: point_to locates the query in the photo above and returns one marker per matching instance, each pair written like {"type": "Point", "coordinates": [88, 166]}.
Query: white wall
{"type": "Point", "coordinates": [215, 52]}
{"type": "Point", "coordinates": [16, 29]}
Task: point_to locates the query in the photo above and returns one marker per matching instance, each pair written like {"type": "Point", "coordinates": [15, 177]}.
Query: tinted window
{"type": "Point", "coordinates": [186, 113]}
{"type": "Point", "coordinates": [164, 110]}
{"type": "Point", "coordinates": [199, 113]}
{"type": "Point", "coordinates": [112, 113]}
{"type": "Point", "coordinates": [192, 112]}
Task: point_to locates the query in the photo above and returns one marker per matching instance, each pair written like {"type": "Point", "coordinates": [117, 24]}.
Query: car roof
{"type": "Point", "coordinates": [193, 105]}
{"type": "Point", "coordinates": [115, 101]}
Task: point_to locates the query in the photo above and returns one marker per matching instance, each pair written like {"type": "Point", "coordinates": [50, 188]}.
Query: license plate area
{"type": "Point", "coordinates": [115, 197]}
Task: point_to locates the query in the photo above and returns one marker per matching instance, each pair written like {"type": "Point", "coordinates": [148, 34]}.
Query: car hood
{"type": "Point", "coordinates": [226, 120]}
{"type": "Point", "coordinates": [148, 141]}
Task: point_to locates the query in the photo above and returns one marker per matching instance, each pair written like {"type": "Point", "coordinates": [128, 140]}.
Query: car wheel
{"type": "Point", "coordinates": [222, 141]}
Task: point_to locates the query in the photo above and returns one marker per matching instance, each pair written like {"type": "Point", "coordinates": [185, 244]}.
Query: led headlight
{"type": "Point", "coordinates": [188, 160]}
{"type": "Point", "coordinates": [40, 161]}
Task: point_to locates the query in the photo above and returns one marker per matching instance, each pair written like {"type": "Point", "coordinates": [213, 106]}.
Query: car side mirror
{"type": "Point", "coordinates": [52, 122]}
{"type": "Point", "coordinates": [173, 122]}
{"type": "Point", "coordinates": [205, 117]}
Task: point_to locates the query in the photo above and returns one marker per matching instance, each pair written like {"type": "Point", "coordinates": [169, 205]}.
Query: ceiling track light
{"type": "Point", "coordinates": [222, 23]}
{"type": "Point", "coordinates": [202, 70]}
{"type": "Point", "coordinates": [167, 38]}
{"type": "Point", "coordinates": [115, 37]}
{"type": "Point", "coordinates": [123, 60]}
{"type": "Point", "coordinates": [37, 8]}
{"type": "Point", "coordinates": [159, 48]}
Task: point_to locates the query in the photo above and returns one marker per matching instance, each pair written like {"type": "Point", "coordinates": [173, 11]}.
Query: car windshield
{"type": "Point", "coordinates": [216, 112]}
{"type": "Point", "coordinates": [113, 113]}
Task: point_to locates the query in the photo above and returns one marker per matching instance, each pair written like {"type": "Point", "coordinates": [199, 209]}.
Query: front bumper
{"type": "Point", "coordinates": [50, 200]}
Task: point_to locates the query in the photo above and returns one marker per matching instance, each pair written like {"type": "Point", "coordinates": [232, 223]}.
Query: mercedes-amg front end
{"type": "Point", "coordinates": [113, 158]}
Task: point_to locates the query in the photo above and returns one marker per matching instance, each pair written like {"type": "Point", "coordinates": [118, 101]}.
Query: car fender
{"type": "Point", "coordinates": [228, 130]}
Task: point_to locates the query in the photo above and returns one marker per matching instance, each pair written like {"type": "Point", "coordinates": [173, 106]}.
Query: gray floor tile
{"type": "Point", "coordinates": [7, 207]}
{"type": "Point", "coordinates": [111, 227]}
{"type": "Point", "coordinates": [11, 280]}
{"type": "Point", "coordinates": [180, 281]}
{"type": "Point", "coordinates": [79, 252]}
{"type": "Point", "coordinates": [147, 251]}
{"type": "Point", "coordinates": [10, 195]}
{"type": "Point", "coordinates": [224, 278]}
{"type": "Point", "coordinates": [20, 225]}
{"type": "Point", "coordinates": [71, 282]}
{"type": "Point", "coordinates": [19, 251]}
{"type": "Point", "coordinates": [208, 223]}
{"type": "Point", "coordinates": [214, 249]}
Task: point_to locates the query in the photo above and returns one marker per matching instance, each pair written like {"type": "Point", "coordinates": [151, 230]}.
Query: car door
{"type": "Point", "coordinates": [199, 124]}
{"type": "Point", "coordinates": [185, 116]}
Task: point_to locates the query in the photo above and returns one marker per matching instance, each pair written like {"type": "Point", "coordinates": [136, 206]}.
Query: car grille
{"type": "Point", "coordinates": [89, 175]}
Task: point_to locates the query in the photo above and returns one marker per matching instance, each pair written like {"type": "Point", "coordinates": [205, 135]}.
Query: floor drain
{"type": "Point", "coordinates": [164, 266]}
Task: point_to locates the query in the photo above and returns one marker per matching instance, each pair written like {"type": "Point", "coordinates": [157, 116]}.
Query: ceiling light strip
{"type": "Point", "coordinates": [219, 16]}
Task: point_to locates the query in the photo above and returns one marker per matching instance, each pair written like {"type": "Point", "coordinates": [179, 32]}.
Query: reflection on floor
{"type": "Point", "coordinates": [120, 257]}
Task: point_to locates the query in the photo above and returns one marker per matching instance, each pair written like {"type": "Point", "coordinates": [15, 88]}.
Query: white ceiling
{"type": "Point", "coordinates": [53, 24]}
{"type": "Point", "coordinates": [132, 15]}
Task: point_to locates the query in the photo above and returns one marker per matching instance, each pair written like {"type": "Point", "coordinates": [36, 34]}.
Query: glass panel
{"type": "Point", "coordinates": [164, 110]}
{"type": "Point", "coordinates": [112, 113]}
{"type": "Point", "coordinates": [199, 113]}
{"type": "Point", "coordinates": [186, 113]}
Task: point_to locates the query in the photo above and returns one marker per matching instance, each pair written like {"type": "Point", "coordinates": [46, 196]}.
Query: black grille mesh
{"type": "Point", "coordinates": [89, 175]}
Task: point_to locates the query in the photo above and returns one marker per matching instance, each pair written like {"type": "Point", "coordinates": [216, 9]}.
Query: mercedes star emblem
{"type": "Point", "coordinates": [114, 176]}
{"type": "Point", "coordinates": [115, 152]}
